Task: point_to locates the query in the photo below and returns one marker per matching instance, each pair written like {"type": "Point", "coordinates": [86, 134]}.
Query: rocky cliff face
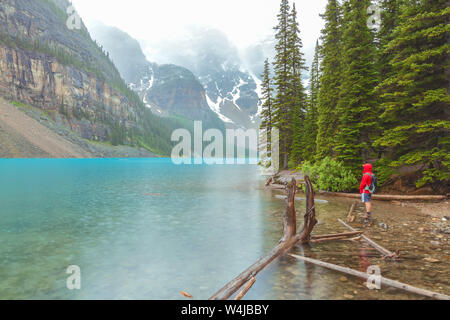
{"type": "Point", "coordinates": [81, 100]}
{"type": "Point", "coordinates": [46, 65]}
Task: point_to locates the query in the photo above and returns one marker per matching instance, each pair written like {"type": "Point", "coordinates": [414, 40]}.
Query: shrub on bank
{"type": "Point", "coordinates": [330, 175]}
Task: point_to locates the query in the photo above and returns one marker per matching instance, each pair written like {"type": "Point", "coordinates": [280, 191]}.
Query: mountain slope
{"type": "Point", "coordinates": [166, 89]}
{"type": "Point", "coordinates": [23, 137]}
{"type": "Point", "coordinates": [65, 73]}
{"type": "Point", "coordinates": [232, 91]}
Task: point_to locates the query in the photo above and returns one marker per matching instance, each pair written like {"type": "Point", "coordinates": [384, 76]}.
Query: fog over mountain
{"type": "Point", "coordinates": [195, 46]}
{"type": "Point", "coordinates": [166, 89]}
{"type": "Point", "coordinates": [220, 82]}
{"type": "Point", "coordinates": [201, 48]}
{"type": "Point", "coordinates": [223, 44]}
{"type": "Point", "coordinates": [246, 25]}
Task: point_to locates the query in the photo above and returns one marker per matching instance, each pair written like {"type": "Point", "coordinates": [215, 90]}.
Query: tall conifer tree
{"type": "Point", "coordinates": [267, 103]}
{"type": "Point", "coordinates": [330, 79]}
{"type": "Point", "coordinates": [282, 74]}
{"type": "Point", "coordinates": [415, 95]}
{"type": "Point", "coordinates": [357, 106]}
{"type": "Point", "coordinates": [310, 124]}
{"type": "Point", "coordinates": [297, 92]}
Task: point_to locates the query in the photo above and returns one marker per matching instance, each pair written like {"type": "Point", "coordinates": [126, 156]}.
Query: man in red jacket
{"type": "Point", "coordinates": [366, 196]}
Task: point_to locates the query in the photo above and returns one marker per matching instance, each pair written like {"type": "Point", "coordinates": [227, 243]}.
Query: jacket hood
{"type": "Point", "coordinates": [367, 168]}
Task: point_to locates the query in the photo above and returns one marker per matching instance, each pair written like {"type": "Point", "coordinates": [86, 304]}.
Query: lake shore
{"type": "Point", "coordinates": [439, 209]}
{"type": "Point", "coordinates": [30, 133]}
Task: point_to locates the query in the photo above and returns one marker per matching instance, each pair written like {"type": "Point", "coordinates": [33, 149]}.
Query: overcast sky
{"type": "Point", "coordinates": [245, 22]}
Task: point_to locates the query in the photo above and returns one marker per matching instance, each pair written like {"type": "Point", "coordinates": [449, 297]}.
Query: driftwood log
{"type": "Point", "coordinates": [389, 282]}
{"type": "Point", "coordinates": [350, 216]}
{"type": "Point", "coordinates": [345, 234]}
{"type": "Point", "coordinates": [289, 240]}
{"type": "Point", "coordinates": [247, 287]}
{"type": "Point", "coordinates": [383, 251]}
{"type": "Point", "coordinates": [301, 199]}
{"type": "Point", "coordinates": [337, 236]}
{"type": "Point", "coordinates": [386, 197]}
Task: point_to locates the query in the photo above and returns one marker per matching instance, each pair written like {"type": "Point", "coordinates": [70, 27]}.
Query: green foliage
{"type": "Point", "coordinates": [118, 134]}
{"type": "Point", "coordinates": [310, 124]}
{"type": "Point", "coordinates": [289, 103]}
{"type": "Point", "coordinates": [380, 96]}
{"type": "Point", "coordinates": [330, 175]}
{"type": "Point", "coordinates": [330, 80]}
{"type": "Point", "coordinates": [357, 105]}
{"type": "Point", "coordinates": [57, 11]}
{"type": "Point", "coordinates": [282, 74]}
{"type": "Point", "coordinates": [266, 99]}
{"type": "Point", "coordinates": [20, 104]}
{"type": "Point", "coordinates": [415, 95]}
{"type": "Point", "coordinates": [297, 92]}
{"type": "Point", "coordinates": [150, 131]}
{"type": "Point", "coordinates": [384, 170]}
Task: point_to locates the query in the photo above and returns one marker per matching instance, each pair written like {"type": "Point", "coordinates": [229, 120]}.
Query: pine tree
{"type": "Point", "coordinates": [357, 106]}
{"type": "Point", "coordinates": [297, 92]}
{"type": "Point", "coordinates": [416, 95]}
{"type": "Point", "coordinates": [267, 108]}
{"type": "Point", "coordinates": [390, 18]}
{"type": "Point", "coordinates": [310, 125]}
{"type": "Point", "coordinates": [282, 74]}
{"type": "Point", "coordinates": [330, 79]}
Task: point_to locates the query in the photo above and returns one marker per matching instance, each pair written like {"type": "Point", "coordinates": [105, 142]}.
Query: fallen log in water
{"type": "Point", "coordinates": [277, 186]}
{"type": "Point", "coordinates": [247, 287]}
{"type": "Point", "coordinates": [300, 199]}
{"type": "Point", "coordinates": [386, 197]}
{"type": "Point", "coordinates": [334, 239]}
{"type": "Point", "coordinates": [383, 251]}
{"type": "Point", "coordinates": [345, 234]}
{"type": "Point", "coordinates": [289, 240]}
{"type": "Point", "coordinates": [329, 239]}
{"type": "Point", "coordinates": [350, 216]}
{"type": "Point", "coordinates": [389, 282]}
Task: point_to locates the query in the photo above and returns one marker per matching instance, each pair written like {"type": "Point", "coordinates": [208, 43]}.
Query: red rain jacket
{"type": "Point", "coordinates": [366, 179]}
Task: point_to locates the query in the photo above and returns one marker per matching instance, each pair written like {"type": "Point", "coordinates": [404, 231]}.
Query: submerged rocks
{"type": "Point", "coordinates": [443, 227]}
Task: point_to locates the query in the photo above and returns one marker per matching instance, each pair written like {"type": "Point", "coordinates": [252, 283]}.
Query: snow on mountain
{"type": "Point", "coordinates": [166, 89]}
{"type": "Point", "coordinates": [232, 91]}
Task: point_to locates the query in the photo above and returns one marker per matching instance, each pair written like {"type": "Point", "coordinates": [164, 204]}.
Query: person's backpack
{"type": "Point", "coordinates": [373, 185]}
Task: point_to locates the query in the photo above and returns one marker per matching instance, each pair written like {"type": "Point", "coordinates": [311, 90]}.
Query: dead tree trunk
{"type": "Point", "coordinates": [385, 197]}
{"type": "Point", "coordinates": [386, 281]}
{"type": "Point", "coordinates": [310, 216]}
{"type": "Point", "coordinates": [289, 218]}
{"type": "Point", "coordinates": [289, 240]}
{"type": "Point", "coordinates": [244, 291]}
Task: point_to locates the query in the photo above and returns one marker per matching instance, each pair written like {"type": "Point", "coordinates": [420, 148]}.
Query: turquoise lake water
{"type": "Point", "coordinates": [148, 229]}
{"type": "Point", "coordinates": [142, 229]}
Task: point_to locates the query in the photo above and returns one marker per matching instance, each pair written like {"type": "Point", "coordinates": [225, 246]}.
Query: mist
{"type": "Point", "coordinates": [178, 31]}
